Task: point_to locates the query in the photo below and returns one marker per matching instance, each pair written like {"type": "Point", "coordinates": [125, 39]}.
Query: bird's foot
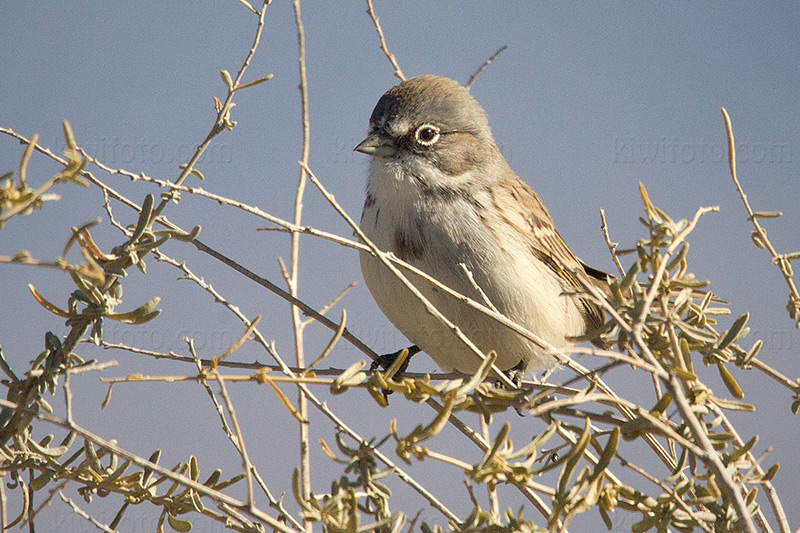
{"type": "Point", "coordinates": [386, 360]}
{"type": "Point", "coordinates": [514, 374]}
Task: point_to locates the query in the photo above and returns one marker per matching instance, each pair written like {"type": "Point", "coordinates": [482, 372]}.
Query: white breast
{"type": "Point", "coordinates": [443, 231]}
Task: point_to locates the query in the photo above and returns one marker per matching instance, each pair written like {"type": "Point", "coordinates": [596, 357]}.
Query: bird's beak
{"type": "Point", "coordinates": [378, 145]}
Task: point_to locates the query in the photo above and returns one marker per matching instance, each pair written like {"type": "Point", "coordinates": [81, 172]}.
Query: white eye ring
{"type": "Point", "coordinates": [427, 134]}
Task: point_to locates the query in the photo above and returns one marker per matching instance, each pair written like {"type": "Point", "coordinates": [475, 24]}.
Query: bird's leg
{"type": "Point", "coordinates": [515, 374]}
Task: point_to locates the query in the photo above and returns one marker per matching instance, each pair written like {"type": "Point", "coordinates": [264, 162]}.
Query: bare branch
{"type": "Point", "coordinates": [389, 55]}
{"type": "Point", "coordinates": [477, 73]}
{"type": "Point", "coordinates": [760, 233]}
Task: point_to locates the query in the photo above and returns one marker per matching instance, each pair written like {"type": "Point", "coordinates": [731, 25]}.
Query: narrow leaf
{"type": "Point", "coordinates": [767, 214]}
{"type": "Point", "coordinates": [285, 401]}
{"type": "Point", "coordinates": [740, 452]}
{"type": "Point", "coordinates": [729, 381]}
{"type": "Point", "coordinates": [732, 405]}
{"type": "Point", "coordinates": [608, 453]}
{"type": "Point", "coordinates": [47, 305]}
{"type": "Point", "coordinates": [574, 456]}
{"type": "Point", "coordinates": [238, 344]}
{"type": "Point", "coordinates": [144, 218]}
{"type": "Point", "coordinates": [733, 333]}
{"type": "Point", "coordinates": [140, 315]}
{"type": "Point", "coordinates": [661, 405]}
{"type": "Point", "coordinates": [23, 166]}
{"type": "Point", "coordinates": [695, 333]}
{"type": "Point", "coordinates": [752, 354]}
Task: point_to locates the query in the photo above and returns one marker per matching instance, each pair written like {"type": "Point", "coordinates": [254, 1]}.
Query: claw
{"type": "Point", "coordinates": [386, 360]}
{"type": "Point", "coordinates": [515, 374]}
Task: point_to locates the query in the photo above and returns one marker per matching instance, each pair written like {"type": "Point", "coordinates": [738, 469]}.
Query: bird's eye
{"type": "Point", "coordinates": [427, 134]}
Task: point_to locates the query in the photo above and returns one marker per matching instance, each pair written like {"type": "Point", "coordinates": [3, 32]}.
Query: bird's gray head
{"type": "Point", "coordinates": [434, 119]}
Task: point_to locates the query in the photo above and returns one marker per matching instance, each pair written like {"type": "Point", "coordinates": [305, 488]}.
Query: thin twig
{"type": "Point", "coordinates": [710, 456]}
{"type": "Point", "coordinates": [222, 113]}
{"type": "Point", "coordinates": [612, 246]}
{"type": "Point", "coordinates": [246, 464]}
{"type": "Point", "coordinates": [769, 489]}
{"type": "Point", "coordinates": [144, 463]}
{"type": "Point", "coordinates": [202, 379]}
{"type": "Point", "coordinates": [292, 280]}
{"type": "Point", "coordinates": [478, 288]}
{"type": "Point", "coordinates": [701, 522]}
{"type": "Point", "coordinates": [389, 55]}
{"type": "Point", "coordinates": [778, 259]}
{"type": "Point", "coordinates": [485, 64]}
{"type": "Point", "coordinates": [320, 405]}
{"type": "Point", "coordinates": [327, 307]}
{"type": "Point", "coordinates": [383, 257]}
{"type": "Point", "coordinates": [80, 512]}
{"type": "Point", "coordinates": [494, 501]}
{"type": "Point", "coordinates": [3, 502]}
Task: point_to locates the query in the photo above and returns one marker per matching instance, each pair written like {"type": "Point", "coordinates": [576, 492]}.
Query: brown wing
{"type": "Point", "coordinates": [526, 209]}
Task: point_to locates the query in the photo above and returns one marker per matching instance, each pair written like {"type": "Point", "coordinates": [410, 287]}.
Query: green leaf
{"type": "Point", "coordinates": [741, 451]}
{"type": "Point", "coordinates": [39, 482]}
{"type": "Point", "coordinates": [679, 258]}
{"type": "Point", "coordinates": [606, 519]}
{"type": "Point", "coordinates": [178, 524]}
{"type": "Point", "coordinates": [47, 305]}
{"type": "Point", "coordinates": [194, 470]}
{"type": "Point", "coordinates": [767, 214]}
{"type": "Point", "coordinates": [232, 481]}
{"type": "Point", "coordinates": [154, 458]}
{"type": "Point", "coordinates": [756, 236]}
{"type": "Point", "coordinates": [117, 473]}
{"type": "Point", "coordinates": [574, 455]}
{"type": "Point", "coordinates": [661, 405]}
{"type": "Point", "coordinates": [751, 354]}
{"type": "Point", "coordinates": [255, 82]}
{"type": "Point", "coordinates": [213, 478]}
{"type": "Point", "coordinates": [630, 276]}
{"type": "Point", "coordinates": [771, 472]}
{"type": "Point", "coordinates": [732, 405]}
{"type": "Point", "coordinates": [140, 315]}
{"type": "Point", "coordinates": [608, 453]}
{"type": "Point", "coordinates": [695, 333]}
{"type": "Point", "coordinates": [144, 218]}
{"type": "Point", "coordinates": [733, 333]}
{"type": "Point", "coordinates": [731, 384]}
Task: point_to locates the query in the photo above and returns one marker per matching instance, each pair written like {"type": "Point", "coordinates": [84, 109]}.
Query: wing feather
{"type": "Point", "coordinates": [547, 245]}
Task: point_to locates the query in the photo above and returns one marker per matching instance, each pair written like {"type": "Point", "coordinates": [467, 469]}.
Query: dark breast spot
{"type": "Point", "coordinates": [408, 247]}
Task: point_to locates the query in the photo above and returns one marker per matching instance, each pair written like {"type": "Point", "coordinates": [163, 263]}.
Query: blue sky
{"type": "Point", "coordinates": [587, 101]}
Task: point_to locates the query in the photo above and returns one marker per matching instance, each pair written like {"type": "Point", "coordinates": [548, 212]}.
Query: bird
{"type": "Point", "coordinates": [441, 196]}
